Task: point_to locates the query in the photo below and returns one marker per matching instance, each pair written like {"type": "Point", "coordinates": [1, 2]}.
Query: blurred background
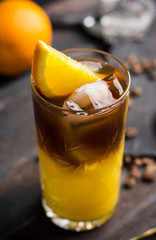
{"type": "Point", "coordinates": [124, 28]}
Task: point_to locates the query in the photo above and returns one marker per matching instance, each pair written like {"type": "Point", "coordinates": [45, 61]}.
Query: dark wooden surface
{"type": "Point", "coordinates": [21, 214]}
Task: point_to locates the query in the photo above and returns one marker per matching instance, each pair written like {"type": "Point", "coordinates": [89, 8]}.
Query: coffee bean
{"type": "Point", "coordinates": [137, 68]}
{"type": "Point", "coordinates": [131, 59]}
{"type": "Point", "coordinates": [149, 176]}
{"type": "Point", "coordinates": [130, 102]}
{"type": "Point", "coordinates": [146, 64]}
{"type": "Point", "coordinates": [134, 172]}
{"type": "Point", "coordinates": [135, 165]}
{"type": "Point", "coordinates": [148, 161]}
{"type": "Point", "coordinates": [137, 91]}
{"type": "Point", "coordinates": [131, 132]}
{"type": "Point", "coordinates": [127, 159]}
{"type": "Point", "coordinates": [138, 161]}
{"type": "Point", "coordinates": [130, 182]}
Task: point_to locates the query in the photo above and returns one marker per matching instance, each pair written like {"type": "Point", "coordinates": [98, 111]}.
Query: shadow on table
{"type": "Point", "coordinates": [40, 227]}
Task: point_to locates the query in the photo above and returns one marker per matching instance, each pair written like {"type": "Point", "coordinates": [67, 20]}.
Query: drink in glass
{"type": "Point", "coordinates": [80, 141]}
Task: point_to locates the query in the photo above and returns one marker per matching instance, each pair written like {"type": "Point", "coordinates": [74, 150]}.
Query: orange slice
{"type": "Point", "coordinates": [56, 74]}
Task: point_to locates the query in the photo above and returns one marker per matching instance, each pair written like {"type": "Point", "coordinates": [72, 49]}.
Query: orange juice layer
{"type": "Point", "coordinates": [84, 193]}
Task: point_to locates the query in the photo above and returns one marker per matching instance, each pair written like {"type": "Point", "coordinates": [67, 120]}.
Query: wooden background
{"type": "Point", "coordinates": [21, 213]}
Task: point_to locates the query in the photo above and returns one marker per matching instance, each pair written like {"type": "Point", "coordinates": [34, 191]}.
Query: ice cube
{"type": "Point", "coordinates": [95, 95]}
{"type": "Point", "coordinates": [93, 66]}
{"type": "Point", "coordinates": [114, 86]}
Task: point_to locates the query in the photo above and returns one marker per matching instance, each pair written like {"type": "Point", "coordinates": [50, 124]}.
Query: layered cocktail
{"type": "Point", "coordinates": [80, 136]}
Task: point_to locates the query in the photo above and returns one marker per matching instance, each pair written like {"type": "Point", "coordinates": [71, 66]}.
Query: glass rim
{"type": "Point", "coordinates": [109, 107]}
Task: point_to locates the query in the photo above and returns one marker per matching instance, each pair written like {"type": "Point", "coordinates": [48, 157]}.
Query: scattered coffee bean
{"type": "Point", "coordinates": [138, 161]}
{"type": "Point", "coordinates": [148, 161]}
{"type": "Point", "coordinates": [130, 102]}
{"type": "Point", "coordinates": [129, 182]}
{"type": "Point", "coordinates": [150, 174]}
{"type": "Point", "coordinates": [127, 159]}
{"type": "Point", "coordinates": [131, 59]}
{"type": "Point", "coordinates": [134, 172]}
{"type": "Point", "coordinates": [137, 91]}
{"type": "Point", "coordinates": [137, 68]}
{"type": "Point", "coordinates": [146, 64]}
{"type": "Point", "coordinates": [131, 132]}
{"type": "Point", "coordinates": [135, 166]}
{"type": "Point", "coordinates": [151, 168]}
{"type": "Point", "coordinates": [149, 177]}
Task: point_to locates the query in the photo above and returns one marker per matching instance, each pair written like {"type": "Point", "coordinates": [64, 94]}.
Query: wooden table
{"type": "Point", "coordinates": [21, 213]}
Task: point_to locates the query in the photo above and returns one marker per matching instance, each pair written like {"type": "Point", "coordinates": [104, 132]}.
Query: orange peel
{"type": "Point", "coordinates": [56, 74]}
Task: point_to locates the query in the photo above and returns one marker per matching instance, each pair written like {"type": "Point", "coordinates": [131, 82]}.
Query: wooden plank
{"type": "Point", "coordinates": [143, 112]}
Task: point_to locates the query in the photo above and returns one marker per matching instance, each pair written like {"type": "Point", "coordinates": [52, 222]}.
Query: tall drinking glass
{"type": "Point", "coordinates": [80, 152]}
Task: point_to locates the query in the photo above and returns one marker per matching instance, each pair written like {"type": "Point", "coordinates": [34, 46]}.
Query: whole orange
{"type": "Point", "coordinates": [22, 23]}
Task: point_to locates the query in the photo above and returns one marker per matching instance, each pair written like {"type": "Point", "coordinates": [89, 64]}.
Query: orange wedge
{"type": "Point", "coordinates": [56, 74]}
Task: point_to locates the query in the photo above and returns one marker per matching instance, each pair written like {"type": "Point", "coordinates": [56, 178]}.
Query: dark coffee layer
{"type": "Point", "coordinates": [76, 139]}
